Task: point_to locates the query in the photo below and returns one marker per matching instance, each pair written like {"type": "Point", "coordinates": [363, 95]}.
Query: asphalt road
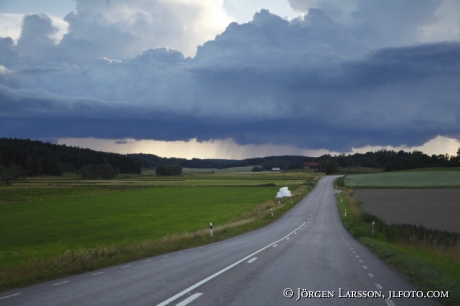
{"type": "Point", "coordinates": [307, 250]}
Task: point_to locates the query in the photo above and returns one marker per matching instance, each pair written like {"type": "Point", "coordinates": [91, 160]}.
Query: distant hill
{"type": "Point", "coordinates": [39, 157]}
{"type": "Point", "coordinates": [153, 161]}
{"type": "Point", "coordinates": [283, 162]}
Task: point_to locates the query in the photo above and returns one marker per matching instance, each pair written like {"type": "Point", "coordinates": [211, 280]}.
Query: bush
{"type": "Point", "coordinates": [12, 173]}
{"type": "Point", "coordinates": [169, 170]}
{"type": "Point", "coordinates": [105, 171]}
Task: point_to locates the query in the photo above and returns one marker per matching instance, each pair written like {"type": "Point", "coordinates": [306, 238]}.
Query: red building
{"type": "Point", "coordinates": [310, 165]}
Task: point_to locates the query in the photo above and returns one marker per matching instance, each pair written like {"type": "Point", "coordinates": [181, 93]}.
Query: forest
{"type": "Point", "coordinates": [37, 157]}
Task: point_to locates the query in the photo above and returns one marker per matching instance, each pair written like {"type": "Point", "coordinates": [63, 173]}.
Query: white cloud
{"type": "Point", "coordinates": [131, 26]}
{"type": "Point", "coordinates": [445, 26]}
{"type": "Point", "coordinates": [242, 11]}
{"type": "Point", "coordinates": [393, 22]}
{"type": "Point", "coordinates": [10, 25]}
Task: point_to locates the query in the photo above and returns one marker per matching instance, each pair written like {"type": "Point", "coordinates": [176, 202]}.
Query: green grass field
{"type": "Point", "coordinates": [43, 217]}
{"type": "Point", "coordinates": [358, 170]}
{"type": "Point", "coordinates": [44, 228]}
{"type": "Point", "coordinates": [415, 179]}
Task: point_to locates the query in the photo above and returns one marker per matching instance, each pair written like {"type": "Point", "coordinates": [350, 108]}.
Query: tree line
{"type": "Point", "coordinates": [153, 161]}
{"type": "Point", "coordinates": [37, 157]}
{"type": "Point", "coordinates": [269, 162]}
{"type": "Point", "coordinates": [391, 160]}
{"type": "Point", "coordinates": [168, 170]}
{"type": "Point", "coordinates": [105, 171]}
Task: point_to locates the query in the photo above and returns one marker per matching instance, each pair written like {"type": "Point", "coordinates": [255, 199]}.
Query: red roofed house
{"type": "Point", "coordinates": [310, 165]}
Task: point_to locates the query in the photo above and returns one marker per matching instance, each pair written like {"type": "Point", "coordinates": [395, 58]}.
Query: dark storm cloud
{"type": "Point", "coordinates": [310, 82]}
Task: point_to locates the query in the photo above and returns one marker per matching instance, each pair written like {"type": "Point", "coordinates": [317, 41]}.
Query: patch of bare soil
{"type": "Point", "coordinates": [433, 208]}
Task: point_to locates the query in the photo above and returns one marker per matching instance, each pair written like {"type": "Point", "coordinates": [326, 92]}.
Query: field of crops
{"type": "Point", "coordinates": [433, 208]}
{"type": "Point", "coordinates": [419, 179]}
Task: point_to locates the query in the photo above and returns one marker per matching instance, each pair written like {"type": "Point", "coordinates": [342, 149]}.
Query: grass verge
{"type": "Point", "coordinates": [38, 269]}
{"type": "Point", "coordinates": [429, 258]}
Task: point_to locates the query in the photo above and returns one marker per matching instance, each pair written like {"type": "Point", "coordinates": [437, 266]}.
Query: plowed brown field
{"type": "Point", "coordinates": [433, 208]}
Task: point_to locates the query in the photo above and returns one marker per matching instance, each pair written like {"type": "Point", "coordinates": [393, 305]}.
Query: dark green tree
{"type": "Point", "coordinates": [389, 166]}
{"type": "Point", "coordinates": [12, 173]}
{"type": "Point", "coordinates": [168, 170]}
{"type": "Point", "coordinates": [92, 172]}
{"type": "Point", "coordinates": [332, 166]}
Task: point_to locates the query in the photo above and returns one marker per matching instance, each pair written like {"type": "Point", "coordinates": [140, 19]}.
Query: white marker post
{"type": "Point", "coordinates": [271, 210]}
{"type": "Point", "coordinates": [210, 228]}
{"type": "Point", "coordinates": [291, 200]}
{"type": "Point", "coordinates": [345, 213]}
{"type": "Point", "coordinates": [373, 223]}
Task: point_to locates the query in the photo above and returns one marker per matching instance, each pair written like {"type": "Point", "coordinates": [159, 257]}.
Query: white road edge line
{"type": "Point", "coordinates": [175, 297]}
{"type": "Point", "coordinates": [189, 299]}
{"type": "Point", "coordinates": [125, 266]}
{"type": "Point", "coordinates": [57, 284]}
{"type": "Point", "coordinates": [98, 273]}
{"type": "Point", "coordinates": [389, 302]}
{"type": "Point", "coordinates": [252, 260]}
{"type": "Point", "coordinates": [8, 296]}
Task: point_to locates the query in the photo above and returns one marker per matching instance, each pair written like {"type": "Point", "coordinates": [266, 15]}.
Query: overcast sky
{"type": "Point", "coordinates": [233, 78]}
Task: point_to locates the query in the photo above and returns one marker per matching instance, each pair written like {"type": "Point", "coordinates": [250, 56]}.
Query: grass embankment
{"type": "Point", "coordinates": [430, 258]}
{"type": "Point", "coordinates": [50, 231]}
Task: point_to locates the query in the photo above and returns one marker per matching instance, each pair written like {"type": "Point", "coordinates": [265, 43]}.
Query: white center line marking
{"type": "Point", "coordinates": [57, 284]}
{"type": "Point", "coordinates": [165, 256]}
{"type": "Point", "coordinates": [8, 296]}
{"type": "Point", "coordinates": [365, 267]}
{"type": "Point", "coordinates": [98, 273]}
{"type": "Point", "coordinates": [287, 238]}
{"type": "Point", "coordinates": [357, 255]}
{"type": "Point", "coordinates": [389, 302]}
{"type": "Point", "coordinates": [274, 246]}
{"type": "Point", "coordinates": [189, 299]}
{"type": "Point", "coordinates": [252, 260]}
{"type": "Point", "coordinates": [370, 274]}
{"type": "Point", "coordinates": [360, 261]}
{"type": "Point", "coordinates": [126, 266]}
{"type": "Point", "coordinates": [148, 260]}
{"type": "Point", "coordinates": [378, 286]}
{"type": "Point", "coordinates": [207, 279]}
